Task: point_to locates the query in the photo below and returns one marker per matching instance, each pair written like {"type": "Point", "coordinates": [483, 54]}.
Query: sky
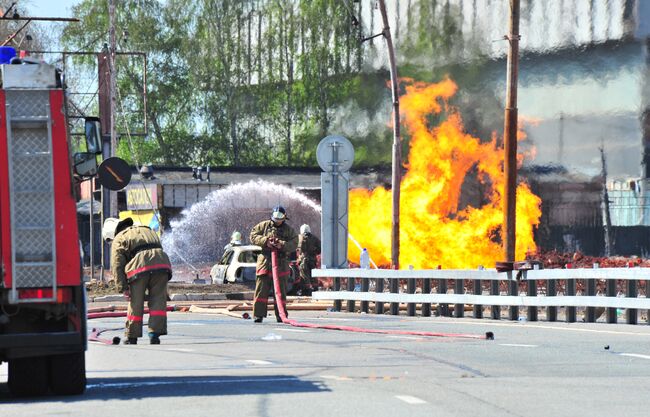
{"type": "Point", "coordinates": [49, 8]}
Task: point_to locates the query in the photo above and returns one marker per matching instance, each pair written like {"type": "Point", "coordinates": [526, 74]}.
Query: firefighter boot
{"type": "Point", "coordinates": [154, 338]}
{"type": "Point", "coordinates": [258, 319]}
{"type": "Point", "coordinates": [130, 341]}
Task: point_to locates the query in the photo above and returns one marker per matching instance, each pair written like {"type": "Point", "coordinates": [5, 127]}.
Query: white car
{"type": "Point", "coordinates": [236, 265]}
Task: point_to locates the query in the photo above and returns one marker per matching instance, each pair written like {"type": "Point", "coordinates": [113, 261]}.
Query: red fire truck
{"type": "Point", "coordinates": [42, 296]}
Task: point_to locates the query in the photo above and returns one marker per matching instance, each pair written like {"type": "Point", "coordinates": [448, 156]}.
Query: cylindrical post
{"type": "Point", "coordinates": [611, 292]}
{"type": "Point", "coordinates": [590, 315]}
{"type": "Point", "coordinates": [410, 288]}
{"type": "Point", "coordinates": [397, 145]}
{"type": "Point", "coordinates": [426, 289]}
{"type": "Point", "coordinates": [394, 289]}
{"type": "Point", "coordinates": [495, 310]}
{"type": "Point", "coordinates": [379, 288]}
{"type": "Point", "coordinates": [351, 304]}
{"type": "Point", "coordinates": [337, 287]}
{"type": "Point", "coordinates": [631, 293]}
{"type": "Point", "coordinates": [92, 231]}
{"type": "Point", "coordinates": [365, 284]}
{"type": "Point", "coordinates": [443, 309]}
{"type": "Point", "coordinates": [513, 289]}
{"type": "Point", "coordinates": [551, 291]}
{"type": "Point", "coordinates": [570, 291]}
{"type": "Point", "coordinates": [510, 136]}
{"type": "Point", "coordinates": [478, 290]}
{"type": "Point", "coordinates": [459, 288]}
{"type": "Point", "coordinates": [532, 292]}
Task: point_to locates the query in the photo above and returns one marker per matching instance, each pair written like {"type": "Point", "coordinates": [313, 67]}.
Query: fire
{"type": "Point", "coordinates": [433, 230]}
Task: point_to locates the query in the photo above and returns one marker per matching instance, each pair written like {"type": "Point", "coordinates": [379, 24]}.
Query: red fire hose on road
{"type": "Point", "coordinates": [283, 315]}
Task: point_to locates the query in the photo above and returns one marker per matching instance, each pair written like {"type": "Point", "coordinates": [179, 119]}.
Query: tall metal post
{"type": "Point", "coordinates": [397, 156]}
{"type": "Point", "coordinates": [510, 135]}
{"type": "Point", "coordinates": [113, 89]}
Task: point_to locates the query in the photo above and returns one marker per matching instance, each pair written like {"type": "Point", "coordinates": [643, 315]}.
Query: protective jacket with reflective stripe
{"type": "Point", "coordinates": [135, 250]}
{"type": "Point", "coordinates": [261, 234]}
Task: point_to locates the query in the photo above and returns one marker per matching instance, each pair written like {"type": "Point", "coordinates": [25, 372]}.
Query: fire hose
{"type": "Point", "coordinates": [283, 315]}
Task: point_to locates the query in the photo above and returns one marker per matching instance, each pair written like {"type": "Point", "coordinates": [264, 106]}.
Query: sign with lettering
{"type": "Point", "coordinates": [142, 197]}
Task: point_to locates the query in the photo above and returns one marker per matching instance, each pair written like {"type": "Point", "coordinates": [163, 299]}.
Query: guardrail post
{"type": "Point", "coordinates": [478, 290]}
{"type": "Point", "coordinates": [337, 287]}
{"type": "Point", "coordinates": [351, 304]}
{"type": "Point", "coordinates": [570, 291]}
{"type": "Point", "coordinates": [532, 292]}
{"type": "Point", "coordinates": [394, 288]}
{"type": "Point", "coordinates": [365, 285]}
{"type": "Point", "coordinates": [443, 309]}
{"type": "Point", "coordinates": [379, 288]}
{"type": "Point", "coordinates": [426, 289]}
{"type": "Point", "coordinates": [551, 291]}
{"type": "Point", "coordinates": [513, 290]}
{"type": "Point", "coordinates": [494, 290]}
{"type": "Point", "coordinates": [590, 312]}
{"type": "Point", "coordinates": [632, 293]}
{"type": "Point", "coordinates": [459, 288]}
{"type": "Point", "coordinates": [611, 292]}
{"type": "Point", "coordinates": [410, 288]}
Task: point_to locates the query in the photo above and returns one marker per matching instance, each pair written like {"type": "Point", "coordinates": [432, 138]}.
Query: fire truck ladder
{"type": "Point", "coordinates": [31, 182]}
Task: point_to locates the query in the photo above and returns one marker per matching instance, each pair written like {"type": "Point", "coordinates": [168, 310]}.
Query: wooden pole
{"type": "Point", "coordinates": [397, 142]}
{"type": "Point", "coordinates": [510, 135]}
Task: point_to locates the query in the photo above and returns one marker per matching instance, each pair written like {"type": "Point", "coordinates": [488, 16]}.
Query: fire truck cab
{"type": "Point", "coordinates": [42, 296]}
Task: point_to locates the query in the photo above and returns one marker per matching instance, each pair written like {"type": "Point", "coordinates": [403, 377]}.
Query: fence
{"type": "Point", "coordinates": [469, 287]}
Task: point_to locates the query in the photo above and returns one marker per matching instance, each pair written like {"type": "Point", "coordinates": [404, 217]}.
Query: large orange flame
{"type": "Point", "coordinates": [433, 231]}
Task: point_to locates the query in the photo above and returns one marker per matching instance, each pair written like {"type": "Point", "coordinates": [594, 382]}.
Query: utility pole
{"type": "Point", "coordinates": [113, 89]}
{"type": "Point", "coordinates": [510, 135]}
{"type": "Point", "coordinates": [606, 212]}
{"type": "Point", "coordinates": [397, 156]}
{"type": "Point", "coordinates": [397, 142]}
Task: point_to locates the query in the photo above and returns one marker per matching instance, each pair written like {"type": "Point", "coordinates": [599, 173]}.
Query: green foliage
{"type": "Point", "coordinates": [251, 82]}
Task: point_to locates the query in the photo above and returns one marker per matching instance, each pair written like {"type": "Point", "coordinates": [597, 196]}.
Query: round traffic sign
{"type": "Point", "coordinates": [335, 153]}
{"type": "Point", "coordinates": [114, 173]}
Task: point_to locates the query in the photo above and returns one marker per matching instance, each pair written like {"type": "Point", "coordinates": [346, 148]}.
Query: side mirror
{"type": "Point", "coordinates": [93, 135]}
{"type": "Point", "coordinates": [85, 164]}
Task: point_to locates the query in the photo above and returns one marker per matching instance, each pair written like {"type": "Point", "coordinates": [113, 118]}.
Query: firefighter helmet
{"type": "Point", "coordinates": [279, 213]}
{"type": "Point", "coordinates": [304, 229]}
{"type": "Point", "coordinates": [113, 226]}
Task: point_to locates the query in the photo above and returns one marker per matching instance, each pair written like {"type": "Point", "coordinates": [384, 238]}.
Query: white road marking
{"type": "Point", "coordinates": [410, 400]}
{"type": "Point", "coordinates": [180, 350]}
{"type": "Point", "coordinates": [335, 377]}
{"type": "Point", "coordinates": [405, 337]}
{"type": "Point", "coordinates": [258, 362]}
{"type": "Point", "coordinates": [516, 345]}
{"type": "Point", "coordinates": [635, 355]}
{"type": "Point", "coordinates": [284, 329]}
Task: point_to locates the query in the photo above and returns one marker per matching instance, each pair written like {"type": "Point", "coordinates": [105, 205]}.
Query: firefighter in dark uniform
{"type": "Point", "coordinates": [273, 234]}
{"type": "Point", "coordinates": [308, 249]}
{"type": "Point", "coordinates": [139, 264]}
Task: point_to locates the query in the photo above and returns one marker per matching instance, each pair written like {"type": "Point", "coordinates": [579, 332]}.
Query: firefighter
{"type": "Point", "coordinates": [139, 263]}
{"type": "Point", "coordinates": [272, 235]}
{"type": "Point", "coordinates": [235, 240]}
{"type": "Point", "coordinates": [308, 249]}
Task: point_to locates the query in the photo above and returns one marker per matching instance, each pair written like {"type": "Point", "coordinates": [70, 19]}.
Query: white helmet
{"type": "Point", "coordinates": [235, 238]}
{"type": "Point", "coordinates": [112, 224]}
{"type": "Point", "coordinates": [304, 229]}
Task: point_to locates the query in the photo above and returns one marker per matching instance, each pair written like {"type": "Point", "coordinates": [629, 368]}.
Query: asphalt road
{"type": "Point", "coordinates": [223, 366]}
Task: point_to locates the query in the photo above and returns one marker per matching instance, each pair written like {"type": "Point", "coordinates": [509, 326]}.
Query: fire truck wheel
{"type": "Point", "coordinates": [68, 374]}
{"type": "Point", "coordinates": [28, 377]}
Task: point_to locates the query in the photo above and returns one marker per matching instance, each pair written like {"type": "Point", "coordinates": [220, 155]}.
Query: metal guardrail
{"type": "Point", "coordinates": [469, 288]}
